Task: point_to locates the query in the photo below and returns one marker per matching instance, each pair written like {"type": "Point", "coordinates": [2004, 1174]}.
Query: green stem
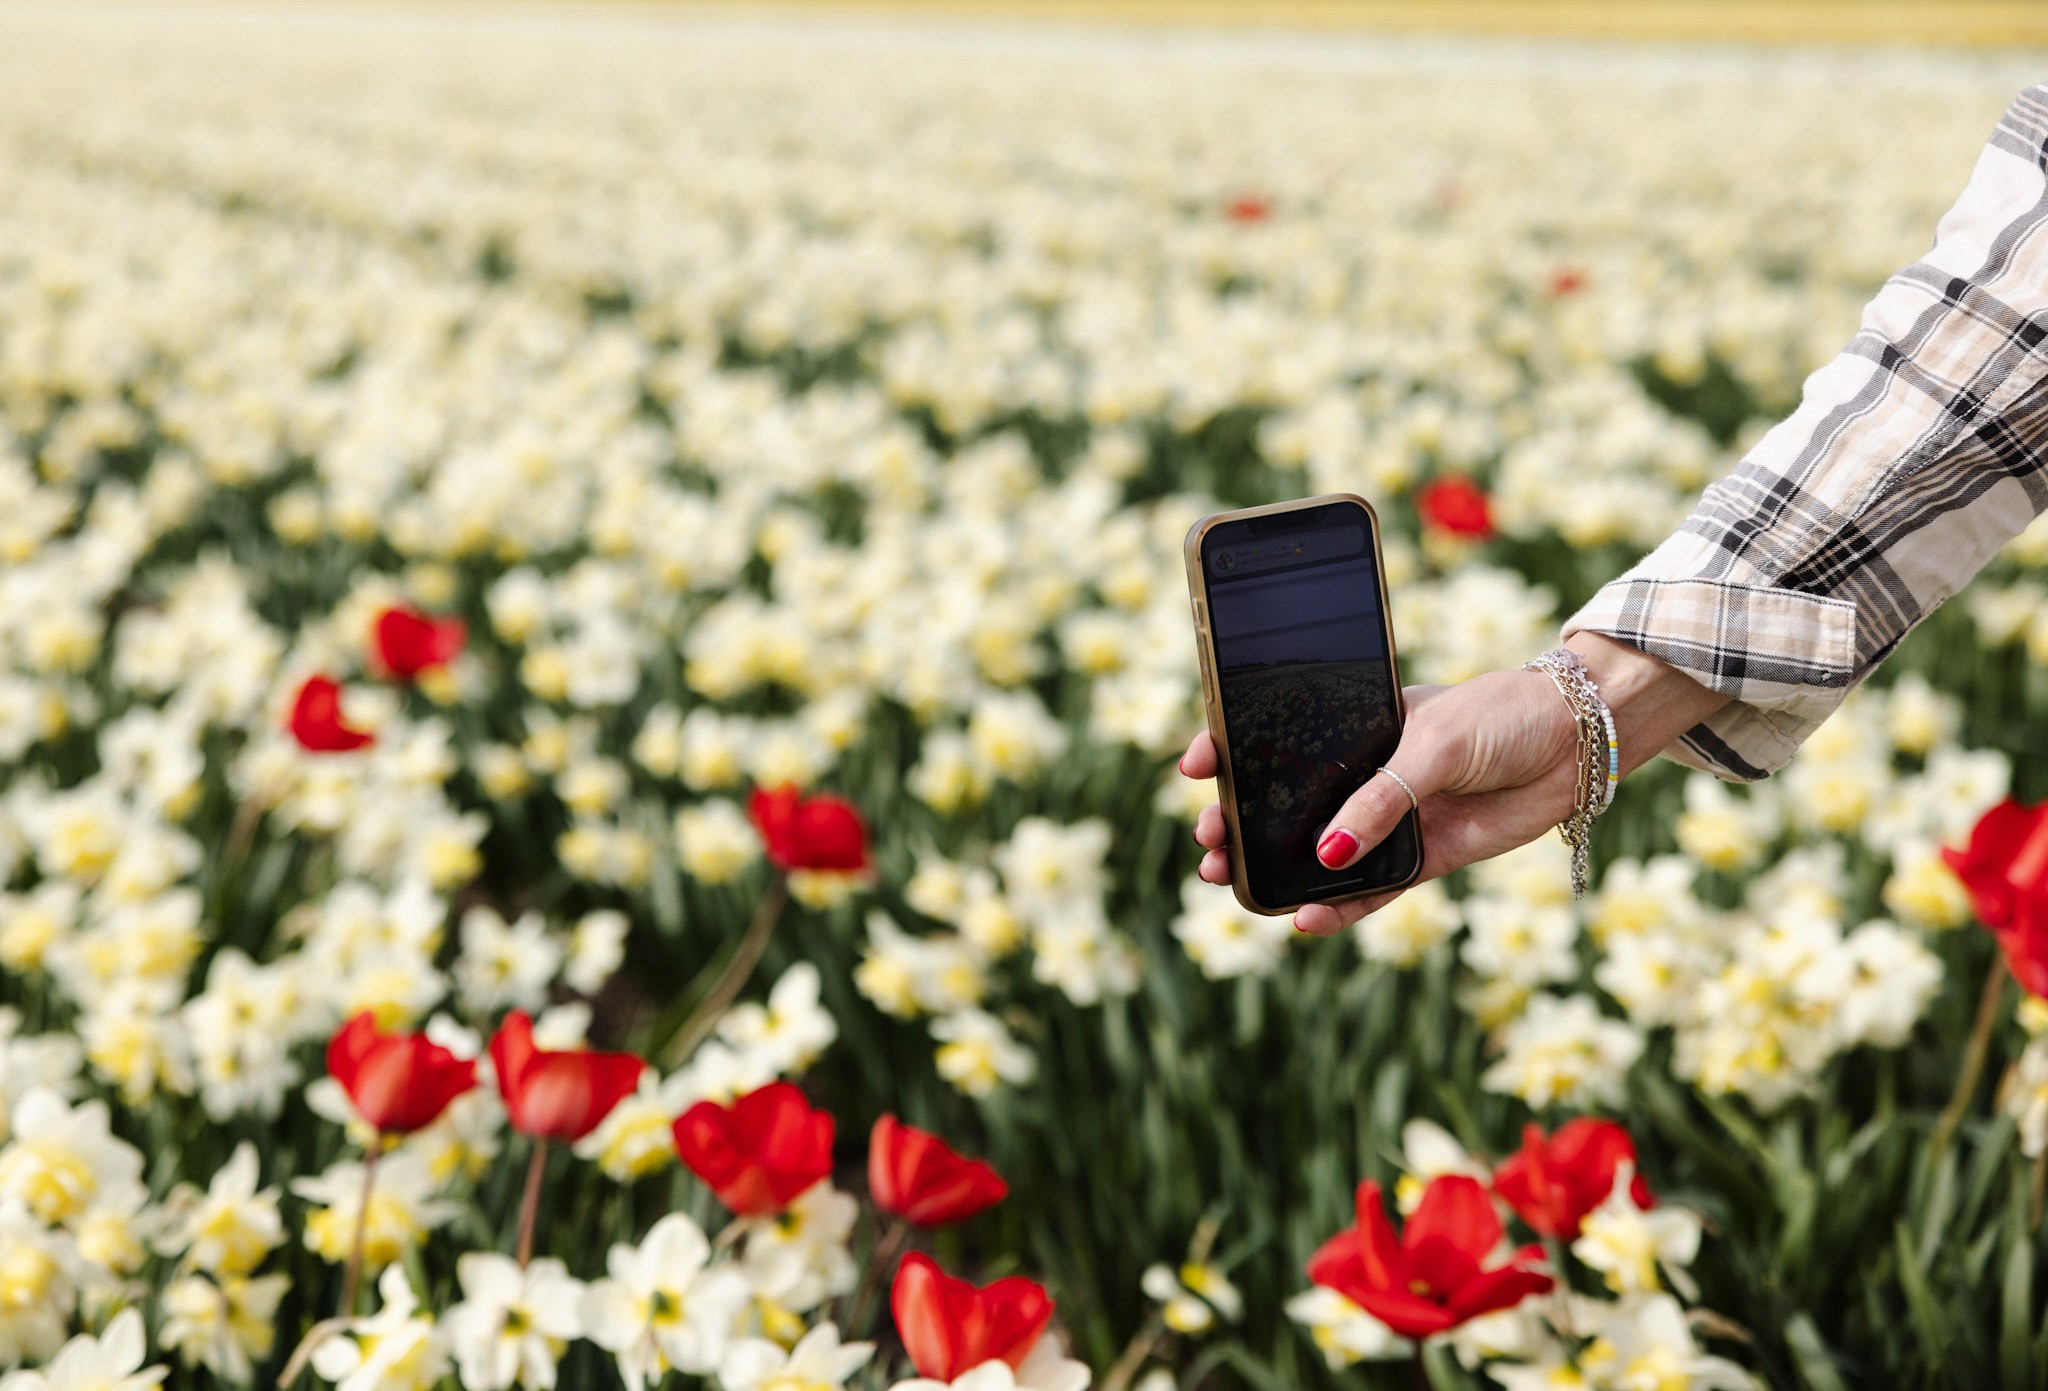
{"type": "Point", "coordinates": [705, 1017]}
{"type": "Point", "coordinates": [352, 1274]}
{"type": "Point", "coordinates": [2037, 1190]}
{"type": "Point", "coordinates": [872, 1279]}
{"type": "Point", "coordinates": [1973, 1059]}
{"type": "Point", "coordinates": [1556, 1249]}
{"type": "Point", "coordinates": [529, 1205]}
{"type": "Point", "coordinates": [1134, 1354]}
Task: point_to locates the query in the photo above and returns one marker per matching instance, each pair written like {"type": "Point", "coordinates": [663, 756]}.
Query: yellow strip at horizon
{"type": "Point", "coordinates": [1971, 23]}
{"type": "Point", "coordinates": [1908, 23]}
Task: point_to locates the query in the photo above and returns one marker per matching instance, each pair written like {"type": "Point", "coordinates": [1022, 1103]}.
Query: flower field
{"type": "Point", "coordinates": [592, 653]}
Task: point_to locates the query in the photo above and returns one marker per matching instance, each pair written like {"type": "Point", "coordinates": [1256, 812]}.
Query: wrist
{"type": "Point", "coordinates": [1652, 701]}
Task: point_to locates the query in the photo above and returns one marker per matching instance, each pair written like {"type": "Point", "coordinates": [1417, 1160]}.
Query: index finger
{"type": "Point", "coordinates": [1200, 759]}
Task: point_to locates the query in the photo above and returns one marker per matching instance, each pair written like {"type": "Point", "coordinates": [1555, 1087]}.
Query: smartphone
{"type": "Point", "coordinates": [1302, 692]}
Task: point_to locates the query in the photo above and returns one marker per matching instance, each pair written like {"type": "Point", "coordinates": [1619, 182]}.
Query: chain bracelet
{"type": "Point", "coordinates": [1598, 749]}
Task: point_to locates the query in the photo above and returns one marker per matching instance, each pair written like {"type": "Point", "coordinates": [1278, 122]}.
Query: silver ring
{"type": "Point", "coordinates": [1417, 806]}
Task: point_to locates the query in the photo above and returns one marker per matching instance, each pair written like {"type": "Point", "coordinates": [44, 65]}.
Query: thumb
{"type": "Point", "coordinates": [1371, 813]}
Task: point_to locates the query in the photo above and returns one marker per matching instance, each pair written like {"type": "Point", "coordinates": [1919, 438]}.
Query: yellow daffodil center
{"type": "Point", "coordinates": [26, 1274]}
{"type": "Point", "coordinates": [56, 1183]}
{"type": "Point", "coordinates": [241, 1247]}
{"type": "Point", "coordinates": [635, 1146]}
{"type": "Point", "coordinates": [1658, 1370]}
{"type": "Point", "coordinates": [970, 1065]}
{"type": "Point", "coordinates": [777, 1323]}
{"type": "Point", "coordinates": [664, 1309]}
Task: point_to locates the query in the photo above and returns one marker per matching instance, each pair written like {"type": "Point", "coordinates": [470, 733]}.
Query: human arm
{"type": "Point", "coordinates": [1914, 454]}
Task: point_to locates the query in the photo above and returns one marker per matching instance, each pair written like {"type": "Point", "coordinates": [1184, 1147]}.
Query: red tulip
{"type": "Point", "coordinates": [1433, 1276]}
{"type": "Point", "coordinates": [316, 719]}
{"type": "Point", "coordinates": [822, 832]}
{"type": "Point", "coordinates": [406, 642]}
{"type": "Point", "coordinates": [1455, 506]}
{"type": "Point", "coordinates": [1554, 1183]}
{"type": "Point", "coordinates": [2005, 869]}
{"type": "Point", "coordinates": [398, 1082]}
{"type": "Point", "coordinates": [558, 1096]}
{"type": "Point", "coordinates": [2005, 864]}
{"type": "Point", "coordinates": [918, 1177]}
{"type": "Point", "coordinates": [949, 1327]}
{"type": "Point", "coordinates": [760, 1152]}
{"type": "Point", "coordinates": [1248, 208]}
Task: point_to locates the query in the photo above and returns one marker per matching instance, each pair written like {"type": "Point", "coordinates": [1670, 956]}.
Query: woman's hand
{"type": "Point", "coordinates": [1493, 761]}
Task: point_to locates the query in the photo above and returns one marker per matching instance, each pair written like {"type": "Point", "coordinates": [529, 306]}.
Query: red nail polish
{"type": "Point", "coordinates": [1336, 847]}
{"type": "Point", "coordinates": [1182, 764]}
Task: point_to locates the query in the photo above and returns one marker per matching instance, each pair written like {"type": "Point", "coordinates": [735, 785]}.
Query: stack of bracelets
{"type": "Point", "coordinates": [1599, 753]}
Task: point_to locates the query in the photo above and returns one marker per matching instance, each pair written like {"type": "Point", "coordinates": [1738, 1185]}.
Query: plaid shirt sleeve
{"type": "Point", "coordinates": [1913, 456]}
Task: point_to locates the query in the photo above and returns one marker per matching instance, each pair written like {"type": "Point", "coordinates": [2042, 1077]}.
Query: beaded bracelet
{"type": "Point", "coordinates": [1598, 774]}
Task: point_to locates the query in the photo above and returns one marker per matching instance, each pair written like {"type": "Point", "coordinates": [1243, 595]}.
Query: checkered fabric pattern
{"type": "Point", "coordinates": [1913, 456]}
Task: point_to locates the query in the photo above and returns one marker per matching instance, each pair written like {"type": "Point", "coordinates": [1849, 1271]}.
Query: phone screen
{"type": "Point", "coordinates": [1307, 690]}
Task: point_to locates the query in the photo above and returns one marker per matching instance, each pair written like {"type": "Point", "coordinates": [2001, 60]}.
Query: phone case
{"type": "Point", "coordinates": [1212, 705]}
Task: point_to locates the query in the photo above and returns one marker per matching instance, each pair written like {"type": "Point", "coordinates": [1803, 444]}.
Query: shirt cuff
{"type": "Point", "coordinates": [1786, 660]}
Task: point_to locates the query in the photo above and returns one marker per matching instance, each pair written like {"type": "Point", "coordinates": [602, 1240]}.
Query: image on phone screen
{"type": "Point", "coordinates": [1306, 686]}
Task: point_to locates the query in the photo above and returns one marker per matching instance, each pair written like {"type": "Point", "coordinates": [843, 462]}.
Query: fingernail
{"type": "Point", "coordinates": [1298, 927]}
{"type": "Point", "coordinates": [1336, 848]}
{"type": "Point", "coordinates": [1182, 764]}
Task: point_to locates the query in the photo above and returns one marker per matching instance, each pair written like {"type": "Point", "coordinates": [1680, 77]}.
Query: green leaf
{"type": "Point", "coordinates": [1926, 1315]}
{"type": "Point", "coordinates": [1251, 1369]}
{"type": "Point", "coordinates": [1842, 1165]}
{"type": "Point", "coordinates": [1977, 1257]}
{"type": "Point", "coordinates": [2015, 1355]}
{"type": "Point", "coordinates": [1816, 1364]}
{"type": "Point", "coordinates": [1389, 1104]}
{"type": "Point", "coordinates": [1799, 1199]}
{"type": "Point", "coordinates": [665, 889]}
{"type": "Point", "coordinates": [1444, 1372]}
{"type": "Point", "coordinates": [1936, 1218]}
{"type": "Point", "coordinates": [1668, 1112]}
{"type": "Point", "coordinates": [1987, 1168]}
{"type": "Point", "coordinates": [1731, 1119]}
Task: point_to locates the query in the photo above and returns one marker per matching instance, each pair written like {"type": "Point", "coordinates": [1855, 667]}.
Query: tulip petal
{"type": "Point", "coordinates": [761, 1152]}
{"type": "Point", "coordinates": [1339, 1264]}
{"type": "Point", "coordinates": [1409, 1315]}
{"type": "Point", "coordinates": [1440, 1265]}
{"type": "Point", "coordinates": [1986, 862]}
{"type": "Point", "coordinates": [350, 1042]}
{"type": "Point", "coordinates": [1497, 1289]}
{"type": "Point", "coordinates": [512, 1049]}
{"type": "Point", "coordinates": [558, 1095]}
{"type": "Point", "coordinates": [917, 1176]}
{"type": "Point", "coordinates": [1385, 1264]}
{"type": "Point", "coordinates": [949, 1326]}
{"type": "Point", "coordinates": [917, 1299]}
{"type": "Point", "coordinates": [1455, 1209]}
